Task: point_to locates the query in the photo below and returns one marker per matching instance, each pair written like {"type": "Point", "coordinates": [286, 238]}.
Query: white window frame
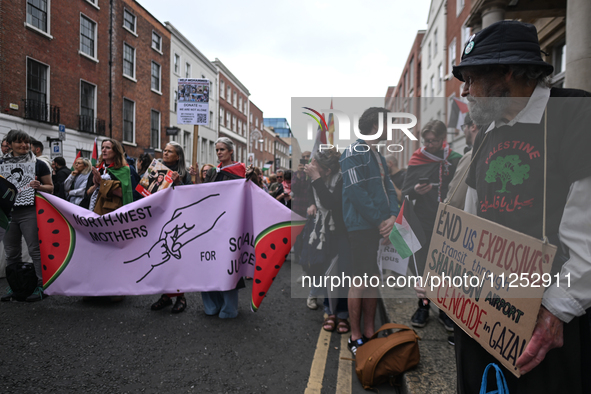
{"type": "Point", "coordinates": [460, 6]}
{"type": "Point", "coordinates": [440, 77]}
{"type": "Point", "coordinates": [134, 22]}
{"type": "Point", "coordinates": [123, 122]}
{"type": "Point", "coordinates": [240, 103]}
{"type": "Point", "coordinates": [30, 26]}
{"type": "Point", "coordinates": [222, 89]}
{"type": "Point", "coordinates": [174, 56]}
{"type": "Point", "coordinates": [160, 37]}
{"type": "Point", "coordinates": [47, 79]}
{"type": "Point", "coordinates": [435, 43]}
{"type": "Point", "coordinates": [188, 70]}
{"type": "Point", "coordinates": [452, 54]}
{"type": "Point", "coordinates": [159, 91]}
{"type": "Point", "coordinates": [159, 129]}
{"type": "Point", "coordinates": [134, 62]}
{"type": "Point", "coordinates": [94, 3]}
{"type": "Point", "coordinates": [86, 55]}
{"type": "Point", "coordinates": [234, 99]}
{"type": "Point", "coordinates": [229, 94]}
{"type": "Point", "coordinates": [80, 97]}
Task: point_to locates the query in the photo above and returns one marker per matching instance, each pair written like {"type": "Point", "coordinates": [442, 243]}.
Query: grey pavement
{"type": "Point", "coordinates": [436, 372]}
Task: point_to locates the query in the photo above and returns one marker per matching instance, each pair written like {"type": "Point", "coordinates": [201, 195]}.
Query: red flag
{"type": "Point", "coordinates": [94, 157]}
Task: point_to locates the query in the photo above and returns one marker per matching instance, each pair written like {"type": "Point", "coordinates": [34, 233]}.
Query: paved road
{"type": "Point", "coordinates": [65, 345]}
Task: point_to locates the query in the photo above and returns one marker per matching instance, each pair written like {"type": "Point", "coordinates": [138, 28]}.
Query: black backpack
{"type": "Point", "coordinates": [22, 280]}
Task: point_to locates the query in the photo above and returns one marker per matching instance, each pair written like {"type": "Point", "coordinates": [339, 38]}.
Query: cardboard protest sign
{"type": "Point", "coordinates": [20, 175]}
{"type": "Point", "coordinates": [193, 101]}
{"type": "Point", "coordinates": [157, 177]}
{"type": "Point", "coordinates": [488, 279]}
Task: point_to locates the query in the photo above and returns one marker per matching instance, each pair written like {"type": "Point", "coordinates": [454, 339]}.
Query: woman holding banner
{"type": "Point", "coordinates": [224, 303]}
{"type": "Point", "coordinates": [29, 174]}
{"type": "Point", "coordinates": [174, 158]}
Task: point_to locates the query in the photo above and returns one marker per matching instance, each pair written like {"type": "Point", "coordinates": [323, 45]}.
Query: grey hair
{"type": "Point", "coordinates": [181, 169]}
{"type": "Point", "coordinates": [530, 73]}
{"type": "Point", "coordinates": [228, 142]}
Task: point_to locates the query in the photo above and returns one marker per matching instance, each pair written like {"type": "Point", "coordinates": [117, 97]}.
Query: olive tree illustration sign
{"type": "Point", "coordinates": [185, 225]}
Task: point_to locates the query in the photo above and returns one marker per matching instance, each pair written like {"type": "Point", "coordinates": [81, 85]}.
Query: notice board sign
{"type": "Point", "coordinates": [489, 280]}
{"type": "Point", "coordinates": [193, 101]}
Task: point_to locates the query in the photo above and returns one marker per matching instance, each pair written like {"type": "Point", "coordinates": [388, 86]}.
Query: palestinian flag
{"type": "Point", "coordinates": [94, 157]}
{"type": "Point", "coordinates": [407, 235]}
{"type": "Point", "coordinates": [457, 113]}
{"type": "Point", "coordinates": [267, 165]}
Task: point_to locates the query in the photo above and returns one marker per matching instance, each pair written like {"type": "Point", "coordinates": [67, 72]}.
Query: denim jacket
{"type": "Point", "coordinates": [365, 204]}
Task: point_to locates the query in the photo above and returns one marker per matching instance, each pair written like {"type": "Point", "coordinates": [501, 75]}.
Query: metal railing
{"type": "Point", "coordinates": [41, 112]}
{"type": "Point", "coordinates": [88, 124]}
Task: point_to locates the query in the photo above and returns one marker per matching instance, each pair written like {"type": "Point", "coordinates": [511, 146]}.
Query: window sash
{"type": "Point", "coordinates": [156, 40]}
{"type": "Point", "coordinates": [129, 20]}
{"type": "Point", "coordinates": [155, 130]}
{"type": "Point", "coordinates": [128, 58]}
{"type": "Point", "coordinates": [177, 60]}
{"type": "Point", "coordinates": [87, 36]}
{"type": "Point", "coordinates": [128, 114]}
{"type": "Point", "coordinates": [86, 99]}
{"type": "Point", "coordinates": [37, 14]}
{"type": "Point", "coordinates": [155, 76]}
{"type": "Point", "coordinates": [36, 81]}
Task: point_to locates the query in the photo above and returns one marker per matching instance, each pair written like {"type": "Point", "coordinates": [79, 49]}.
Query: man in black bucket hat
{"type": "Point", "coordinates": [506, 85]}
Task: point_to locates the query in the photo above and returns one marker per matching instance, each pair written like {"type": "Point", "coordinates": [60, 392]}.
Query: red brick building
{"type": "Point", "coordinates": [457, 34]}
{"type": "Point", "coordinates": [141, 79]}
{"type": "Point", "coordinates": [233, 112]}
{"type": "Point", "coordinates": [54, 68]}
{"type": "Point", "coordinates": [261, 144]}
{"type": "Point", "coordinates": [405, 97]}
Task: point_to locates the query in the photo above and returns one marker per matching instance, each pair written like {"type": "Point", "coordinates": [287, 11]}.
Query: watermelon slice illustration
{"type": "Point", "coordinates": [271, 248]}
{"type": "Point", "coordinates": [57, 239]}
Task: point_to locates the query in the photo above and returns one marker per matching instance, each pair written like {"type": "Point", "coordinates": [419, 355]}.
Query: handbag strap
{"type": "Point", "coordinates": [393, 326]}
{"type": "Point", "coordinates": [501, 382]}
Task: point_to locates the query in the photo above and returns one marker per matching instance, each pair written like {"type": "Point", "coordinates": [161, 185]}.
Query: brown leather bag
{"type": "Point", "coordinates": [383, 359]}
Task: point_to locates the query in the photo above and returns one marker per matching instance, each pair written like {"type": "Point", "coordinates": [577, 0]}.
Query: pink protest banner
{"type": "Point", "coordinates": [192, 238]}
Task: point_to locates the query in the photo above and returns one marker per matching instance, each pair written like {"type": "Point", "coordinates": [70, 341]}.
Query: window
{"type": "Point", "coordinates": [36, 81]}
{"type": "Point", "coordinates": [411, 73]}
{"type": "Point", "coordinates": [155, 130]}
{"type": "Point", "coordinates": [465, 35]}
{"type": "Point", "coordinates": [233, 122]}
{"type": "Point", "coordinates": [432, 85]}
{"type": "Point", "coordinates": [128, 61]}
{"type": "Point", "coordinates": [129, 21]}
{"type": "Point", "coordinates": [222, 91]}
{"type": "Point", "coordinates": [177, 61]}
{"type": "Point", "coordinates": [187, 144]}
{"type": "Point", "coordinates": [128, 120]}
{"type": "Point", "coordinates": [87, 106]}
{"type": "Point", "coordinates": [240, 103]}
{"type": "Point", "coordinates": [234, 99]}
{"type": "Point", "coordinates": [435, 43]}
{"type": "Point", "coordinates": [87, 36]}
{"type": "Point", "coordinates": [439, 77]}
{"type": "Point", "coordinates": [221, 116]}
{"type": "Point", "coordinates": [155, 77]}
{"type": "Point", "coordinates": [156, 42]}
{"type": "Point", "coordinates": [239, 124]}
{"type": "Point", "coordinates": [244, 107]}
{"type": "Point", "coordinates": [187, 70]}
{"type": "Point", "coordinates": [459, 6]}
{"type": "Point", "coordinates": [251, 117]}
{"type": "Point", "coordinates": [229, 95]}
{"type": "Point", "coordinates": [37, 14]}
{"type": "Point", "coordinates": [256, 122]}
{"type": "Point", "coordinates": [451, 54]}
{"type": "Point", "coordinates": [176, 96]}
{"type": "Point", "coordinates": [227, 119]}
{"type": "Point", "coordinates": [429, 55]}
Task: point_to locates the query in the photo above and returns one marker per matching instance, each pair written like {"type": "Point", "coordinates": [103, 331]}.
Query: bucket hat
{"type": "Point", "coordinates": [503, 43]}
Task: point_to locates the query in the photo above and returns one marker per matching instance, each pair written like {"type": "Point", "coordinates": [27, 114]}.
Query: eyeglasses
{"type": "Point", "coordinates": [434, 141]}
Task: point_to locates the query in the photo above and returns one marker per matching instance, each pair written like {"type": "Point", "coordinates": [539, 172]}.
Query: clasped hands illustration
{"type": "Point", "coordinates": [185, 226]}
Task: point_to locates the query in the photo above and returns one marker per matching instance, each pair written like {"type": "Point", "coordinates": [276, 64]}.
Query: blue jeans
{"type": "Point", "coordinates": [224, 303]}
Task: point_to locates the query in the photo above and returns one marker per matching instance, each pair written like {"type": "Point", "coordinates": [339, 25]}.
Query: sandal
{"type": "Point", "coordinates": [179, 305]}
{"type": "Point", "coordinates": [163, 302]}
{"type": "Point", "coordinates": [343, 326]}
{"type": "Point", "coordinates": [329, 323]}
